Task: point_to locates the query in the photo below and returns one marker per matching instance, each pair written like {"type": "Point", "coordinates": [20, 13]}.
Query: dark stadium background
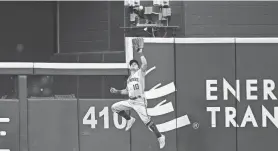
{"type": "Point", "coordinates": [90, 32]}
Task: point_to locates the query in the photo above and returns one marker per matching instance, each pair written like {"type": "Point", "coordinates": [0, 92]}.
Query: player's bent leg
{"type": "Point", "coordinates": [153, 127]}
{"type": "Point", "coordinates": [143, 114]}
{"type": "Point", "coordinates": [120, 108]}
{"type": "Point", "coordinates": [160, 137]}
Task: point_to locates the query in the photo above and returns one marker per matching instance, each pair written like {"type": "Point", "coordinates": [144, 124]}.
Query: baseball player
{"type": "Point", "coordinates": [135, 90]}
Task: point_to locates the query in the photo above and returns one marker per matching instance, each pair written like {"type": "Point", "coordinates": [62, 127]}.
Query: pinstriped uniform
{"type": "Point", "coordinates": [137, 101]}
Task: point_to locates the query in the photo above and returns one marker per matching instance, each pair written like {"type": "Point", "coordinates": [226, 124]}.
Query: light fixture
{"type": "Point", "coordinates": [132, 3]}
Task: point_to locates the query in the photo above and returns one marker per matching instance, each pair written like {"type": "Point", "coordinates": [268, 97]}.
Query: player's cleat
{"type": "Point", "coordinates": [129, 123]}
{"type": "Point", "coordinates": [161, 141]}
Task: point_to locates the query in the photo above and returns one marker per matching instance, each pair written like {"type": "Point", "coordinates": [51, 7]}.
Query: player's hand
{"type": "Point", "coordinates": [113, 90]}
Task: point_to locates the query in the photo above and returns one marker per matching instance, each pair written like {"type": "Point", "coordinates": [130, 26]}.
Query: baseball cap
{"type": "Point", "coordinates": [132, 61]}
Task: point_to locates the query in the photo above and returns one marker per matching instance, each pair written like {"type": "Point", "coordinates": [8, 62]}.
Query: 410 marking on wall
{"type": "Point", "coordinates": [90, 118]}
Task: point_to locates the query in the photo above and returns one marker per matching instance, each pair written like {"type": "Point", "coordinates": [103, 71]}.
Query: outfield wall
{"type": "Point", "coordinates": [177, 93]}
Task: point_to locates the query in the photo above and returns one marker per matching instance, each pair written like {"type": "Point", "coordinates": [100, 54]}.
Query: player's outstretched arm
{"type": "Point", "coordinates": [138, 45]}
{"type": "Point", "coordinates": [143, 61]}
{"type": "Point", "coordinates": [122, 92]}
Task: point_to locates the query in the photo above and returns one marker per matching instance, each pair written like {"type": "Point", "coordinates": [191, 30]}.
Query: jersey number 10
{"type": "Point", "coordinates": [136, 87]}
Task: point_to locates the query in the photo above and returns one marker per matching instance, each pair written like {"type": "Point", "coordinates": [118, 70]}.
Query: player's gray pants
{"type": "Point", "coordinates": [139, 106]}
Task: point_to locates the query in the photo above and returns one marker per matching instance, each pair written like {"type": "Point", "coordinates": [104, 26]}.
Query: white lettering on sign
{"type": "Point", "coordinates": [90, 118]}
{"type": "Point", "coordinates": [251, 86]}
{"type": "Point", "coordinates": [213, 111]}
{"type": "Point", "coordinates": [211, 88]}
{"type": "Point", "coordinates": [116, 121]}
{"type": "Point", "coordinates": [105, 114]}
{"type": "Point", "coordinates": [251, 89]}
{"type": "Point", "coordinates": [269, 86]}
{"type": "Point", "coordinates": [230, 115]}
{"type": "Point", "coordinates": [92, 121]}
{"type": "Point", "coordinates": [248, 117]}
{"type": "Point", "coordinates": [266, 114]}
{"type": "Point", "coordinates": [227, 87]}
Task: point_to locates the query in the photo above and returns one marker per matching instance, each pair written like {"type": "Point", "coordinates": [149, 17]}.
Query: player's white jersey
{"type": "Point", "coordinates": [136, 84]}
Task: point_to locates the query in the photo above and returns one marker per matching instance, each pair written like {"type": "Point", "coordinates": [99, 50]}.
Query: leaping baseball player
{"type": "Point", "coordinates": [135, 90]}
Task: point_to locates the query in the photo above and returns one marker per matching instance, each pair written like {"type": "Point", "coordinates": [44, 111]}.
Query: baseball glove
{"type": "Point", "coordinates": [138, 43]}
